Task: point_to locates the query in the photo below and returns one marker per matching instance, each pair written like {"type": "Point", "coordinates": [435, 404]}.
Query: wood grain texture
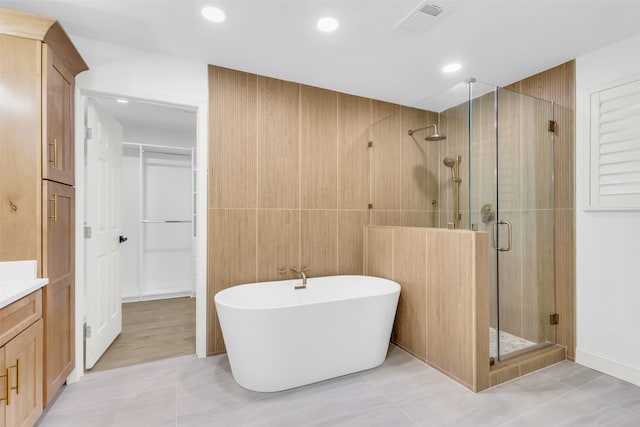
{"type": "Point", "coordinates": [416, 177]}
{"type": "Point", "coordinates": [232, 260]}
{"type": "Point", "coordinates": [278, 244]}
{"type": "Point", "coordinates": [20, 159]}
{"type": "Point", "coordinates": [354, 118]}
{"type": "Point", "coordinates": [25, 350]}
{"type": "Point", "coordinates": [319, 242]}
{"type": "Point", "coordinates": [481, 297]}
{"type": "Point", "coordinates": [379, 252]}
{"type": "Point", "coordinates": [58, 146]}
{"type": "Point", "coordinates": [350, 241]}
{"type": "Point", "coordinates": [443, 313]}
{"type": "Point", "coordinates": [409, 268]}
{"type": "Point", "coordinates": [41, 28]}
{"type": "Point", "coordinates": [526, 363]}
{"type": "Point", "coordinates": [283, 158]}
{"type": "Point", "coordinates": [386, 156]}
{"type": "Point", "coordinates": [58, 264]}
{"type": "Point", "coordinates": [449, 304]}
{"type": "Point", "coordinates": [232, 139]}
{"type": "Point", "coordinates": [148, 334]}
{"type": "Point", "coordinates": [318, 148]}
{"type": "Point", "coordinates": [18, 315]}
{"type": "Point", "coordinates": [278, 144]}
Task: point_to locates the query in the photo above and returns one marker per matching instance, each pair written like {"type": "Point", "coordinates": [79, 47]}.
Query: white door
{"type": "Point", "coordinates": [102, 214]}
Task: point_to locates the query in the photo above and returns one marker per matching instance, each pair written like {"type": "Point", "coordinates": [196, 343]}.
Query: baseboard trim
{"type": "Point", "coordinates": [609, 366]}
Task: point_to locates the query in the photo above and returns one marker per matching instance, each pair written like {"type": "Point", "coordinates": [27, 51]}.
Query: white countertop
{"type": "Point", "coordinates": [18, 279]}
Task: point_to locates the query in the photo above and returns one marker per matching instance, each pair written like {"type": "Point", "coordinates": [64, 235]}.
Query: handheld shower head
{"type": "Point", "coordinates": [452, 164]}
{"type": "Point", "coordinates": [449, 162]}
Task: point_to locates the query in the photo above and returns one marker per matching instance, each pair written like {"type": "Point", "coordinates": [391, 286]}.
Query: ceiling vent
{"type": "Point", "coordinates": [420, 18]}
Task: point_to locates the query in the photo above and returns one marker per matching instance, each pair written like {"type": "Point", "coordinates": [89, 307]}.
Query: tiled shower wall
{"type": "Point", "coordinates": [288, 180]}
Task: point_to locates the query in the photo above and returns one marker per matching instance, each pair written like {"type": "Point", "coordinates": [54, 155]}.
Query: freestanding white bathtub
{"type": "Point", "coordinates": [278, 337]}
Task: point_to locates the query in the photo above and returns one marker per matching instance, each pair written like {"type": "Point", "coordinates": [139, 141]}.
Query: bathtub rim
{"type": "Point", "coordinates": [396, 288]}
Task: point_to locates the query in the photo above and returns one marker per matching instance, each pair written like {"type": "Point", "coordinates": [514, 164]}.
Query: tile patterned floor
{"type": "Point", "coordinates": [402, 392]}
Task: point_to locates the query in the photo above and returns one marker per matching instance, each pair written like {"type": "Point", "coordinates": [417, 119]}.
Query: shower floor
{"type": "Point", "coordinates": [508, 343]}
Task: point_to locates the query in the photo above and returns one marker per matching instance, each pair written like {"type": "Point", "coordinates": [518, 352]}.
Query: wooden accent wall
{"type": "Point", "coordinates": [558, 85]}
{"type": "Point", "coordinates": [288, 180]}
{"type": "Point", "coordinates": [443, 311]}
{"type": "Point", "coordinates": [404, 168]}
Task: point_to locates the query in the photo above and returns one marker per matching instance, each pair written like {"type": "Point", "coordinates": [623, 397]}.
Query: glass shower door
{"type": "Point", "coordinates": [523, 230]}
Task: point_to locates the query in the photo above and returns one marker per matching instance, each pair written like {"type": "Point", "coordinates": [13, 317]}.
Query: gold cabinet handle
{"type": "Point", "coordinates": [17, 387]}
{"type": "Point", "coordinates": [55, 152]}
{"type": "Point", "coordinates": [54, 199]}
{"type": "Point", "coordinates": [7, 387]}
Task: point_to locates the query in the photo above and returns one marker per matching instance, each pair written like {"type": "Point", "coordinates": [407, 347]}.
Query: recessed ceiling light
{"type": "Point", "coordinates": [327, 24]}
{"type": "Point", "coordinates": [451, 68]}
{"type": "Point", "coordinates": [122, 101]}
{"type": "Point", "coordinates": [213, 14]}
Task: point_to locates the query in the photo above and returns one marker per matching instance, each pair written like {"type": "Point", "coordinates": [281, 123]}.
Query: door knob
{"type": "Point", "coordinates": [123, 239]}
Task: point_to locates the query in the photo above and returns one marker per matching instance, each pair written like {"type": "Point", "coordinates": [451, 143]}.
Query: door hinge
{"type": "Point", "coordinates": [370, 206]}
{"type": "Point", "coordinates": [552, 126]}
{"type": "Point", "coordinates": [87, 232]}
{"type": "Point", "coordinates": [553, 318]}
{"type": "Point", "coordinates": [492, 361]}
{"type": "Point", "coordinates": [88, 133]}
{"type": "Point", "coordinates": [87, 331]}
{"type": "Point", "coordinates": [370, 144]}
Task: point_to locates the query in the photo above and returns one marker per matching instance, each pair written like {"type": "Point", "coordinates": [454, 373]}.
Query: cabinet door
{"type": "Point", "coordinates": [3, 388]}
{"type": "Point", "coordinates": [58, 296]}
{"type": "Point", "coordinates": [19, 148]}
{"type": "Point", "coordinates": [57, 116]}
{"type": "Point", "coordinates": [23, 356]}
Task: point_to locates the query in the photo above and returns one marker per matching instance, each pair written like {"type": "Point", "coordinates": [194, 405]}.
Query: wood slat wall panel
{"type": "Point", "coordinates": [350, 243]}
{"type": "Point", "coordinates": [443, 312]}
{"type": "Point", "coordinates": [410, 245]}
{"type": "Point", "coordinates": [278, 144]}
{"type": "Point", "coordinates": [354, 118]}
{"type": "Point", "coordinates": [232, 149]}
{"type": "Point", "coordinates": [319, 241]}
{"type": "Point", "coordinates": [288, 181]}
{"type": "Point", "coordinates": [318, 148]}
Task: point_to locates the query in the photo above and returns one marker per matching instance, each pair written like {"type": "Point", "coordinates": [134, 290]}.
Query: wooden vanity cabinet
{"type": "Point", "coordinates": [57, 137]}
{"type": "Point", "coordinates": [21, 361]}
{"type": "Point", "coordinates": [58, 263]}
{"type": "Point", "coordinates": [39, 64]}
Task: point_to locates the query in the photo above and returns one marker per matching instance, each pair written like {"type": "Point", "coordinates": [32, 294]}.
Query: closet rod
{"type": "Point", "coordinates": [167, 147]}
{"type": "Point", "coordinates": [151, 221]}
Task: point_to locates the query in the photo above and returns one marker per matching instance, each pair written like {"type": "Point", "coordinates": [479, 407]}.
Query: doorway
{"type": "Point", "coordinates": [154, 275]}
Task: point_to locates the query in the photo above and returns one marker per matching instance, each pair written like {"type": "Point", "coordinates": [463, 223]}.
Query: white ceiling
{"type": "Point", "coordinates": [155, 123]}
{"type": "Point", "coordinates": [495, 41]}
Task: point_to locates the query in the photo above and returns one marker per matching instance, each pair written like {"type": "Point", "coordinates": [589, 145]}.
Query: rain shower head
{"type": "Point", "coordinates": [435, 136]}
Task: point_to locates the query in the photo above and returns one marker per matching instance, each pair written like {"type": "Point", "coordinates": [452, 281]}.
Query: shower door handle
{"type": "Point", "coordinates": [495, 233]}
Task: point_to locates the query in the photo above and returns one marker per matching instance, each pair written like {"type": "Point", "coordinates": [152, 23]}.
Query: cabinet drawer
{"type": "Point", "coordinates": [17, 316]}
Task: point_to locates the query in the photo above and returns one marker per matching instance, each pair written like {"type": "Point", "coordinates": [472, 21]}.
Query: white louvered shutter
{"type": "Point", "coordinates": [615, 147]}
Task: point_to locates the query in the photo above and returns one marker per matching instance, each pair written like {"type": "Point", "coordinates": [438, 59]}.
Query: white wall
{"type": "Point", "coordinates": [607, 243]}
{"type": "Point", "coordinates": [134, 73]}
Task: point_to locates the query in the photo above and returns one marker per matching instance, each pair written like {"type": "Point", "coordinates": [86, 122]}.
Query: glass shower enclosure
{"type": "Point", "coordinates": [479, 157]}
